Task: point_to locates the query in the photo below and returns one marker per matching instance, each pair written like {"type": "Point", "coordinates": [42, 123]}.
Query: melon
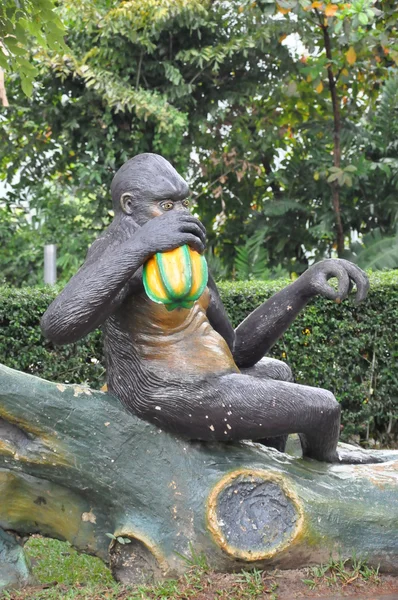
{"type": "Point", "coordinates": [176, 278]}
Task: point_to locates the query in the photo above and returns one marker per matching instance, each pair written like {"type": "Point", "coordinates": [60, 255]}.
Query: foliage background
{"type": "Point", "coordinates": [282, 115]}
{"type": "Point", "coordinates": [350, 350]}
{"type": "Point", "coordinates": [293, 142]}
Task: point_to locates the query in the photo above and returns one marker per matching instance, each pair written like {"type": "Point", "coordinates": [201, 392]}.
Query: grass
{"type": "Point", "coordinates": [342, 572]}
{"type": "Point", "coordinates": [50, 557]}
{"type": "Point", "coordinates": [82, 577]}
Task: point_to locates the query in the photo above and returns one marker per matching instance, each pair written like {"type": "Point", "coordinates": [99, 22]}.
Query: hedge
{"type": "Point", "coordinates": [350, 350]}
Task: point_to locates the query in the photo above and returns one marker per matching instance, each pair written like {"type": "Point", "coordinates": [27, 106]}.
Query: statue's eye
{"type": "Point", "coordinates": [167, 205]}
{"type": "Point", "coordinates": [185, 203]}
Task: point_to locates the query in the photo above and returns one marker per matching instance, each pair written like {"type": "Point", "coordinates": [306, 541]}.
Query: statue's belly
{"type": "Point", "coordinates": [179, 341]}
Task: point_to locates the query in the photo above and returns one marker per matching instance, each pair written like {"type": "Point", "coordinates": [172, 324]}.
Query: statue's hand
{"type": "Point", "coordinates": [347, 274]}
{"type": "Point", "coordinates": [170, 231]}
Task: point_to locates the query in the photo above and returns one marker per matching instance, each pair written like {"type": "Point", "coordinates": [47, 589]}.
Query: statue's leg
{"type": "Point", "coordinates": [270, 368]}
{"type": "Point", "coordinates": [239, 407]}
{"type": "Point", "coordinates": [278, 442]}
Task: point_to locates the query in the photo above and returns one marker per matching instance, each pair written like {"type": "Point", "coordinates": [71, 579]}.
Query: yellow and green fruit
{"type": "Point", "coordinates": [176, 278]}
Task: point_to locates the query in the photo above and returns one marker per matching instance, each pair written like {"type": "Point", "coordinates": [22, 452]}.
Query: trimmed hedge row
{"type": "Point", "coordinates": [350, 350]}
{"type": "Point", "coordinates": [23, 347]}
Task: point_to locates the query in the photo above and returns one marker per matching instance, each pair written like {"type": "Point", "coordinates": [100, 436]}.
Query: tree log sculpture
{"type": "Point", "coordinates": [75, 466]}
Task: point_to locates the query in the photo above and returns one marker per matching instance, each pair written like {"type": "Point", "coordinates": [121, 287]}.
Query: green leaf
{"type": "Point", "coordinates": [287, 4]}
{"type": "Point", "coordinates": [3, 60]}
{"type": "Point", "coordinates": [26, 84]}
{"type": "Point", "coordinates": [338, 25]}
{"type": "Point", "coordinates": [333, 177]}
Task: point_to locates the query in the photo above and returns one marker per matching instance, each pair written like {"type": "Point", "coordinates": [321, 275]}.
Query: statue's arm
{"type": "Point", "coordinates": [100, 285]}
{"type": "Point", "coordinates": [94, 292]}
{"type": "Point", "coordinates": [261, 329]}
{"type": "Point", "coordinates": [217, 315]}
{"type": "Point", "coordinates": [256, 335]}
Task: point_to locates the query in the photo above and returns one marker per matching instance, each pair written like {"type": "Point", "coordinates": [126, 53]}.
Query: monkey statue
{"type": "Point", "coordinates": [187, 370]}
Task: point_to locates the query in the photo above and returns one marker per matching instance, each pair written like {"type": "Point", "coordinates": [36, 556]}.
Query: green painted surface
{"type": "Point", "coordinates": [75, 466]}
{"type": "Point", "coordinates": [14, 564]}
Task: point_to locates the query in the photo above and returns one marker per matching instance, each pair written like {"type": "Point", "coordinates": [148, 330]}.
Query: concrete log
{"type": "Point", "coordinates": [75, 466]}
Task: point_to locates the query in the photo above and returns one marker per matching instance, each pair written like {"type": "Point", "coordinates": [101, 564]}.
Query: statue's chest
{"type": "Point", "coordinates": [178, 340]}
{"type": "Point", "coordinates": [147, 318]}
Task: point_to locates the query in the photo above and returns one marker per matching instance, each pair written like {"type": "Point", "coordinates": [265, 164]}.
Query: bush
{"type": "Point", "coordinates": [350, 350]}
{"type": "Point", "coordinates": [23, 347]}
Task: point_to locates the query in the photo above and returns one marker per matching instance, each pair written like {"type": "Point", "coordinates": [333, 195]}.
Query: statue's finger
{"type": "Point", "coordinates": [195, 229]}
{"type": "Point", "coordinates": [326, 290]}
{"type": "Point", "coordinates": [193, 241]}
{"type": "Point", "coordinates": [327, 270]}
{"type": "Point", "coordinates": [359, 278]}
{"type": "Point", "coordinates": [344, 284]}
{"type": "Point", "coordinates": [336, 269]}
{"type": "Point", "coordinates": [188, 218]}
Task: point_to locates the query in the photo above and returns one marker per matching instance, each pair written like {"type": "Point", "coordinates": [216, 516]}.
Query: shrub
{"type": "Point", "coordinates": [350, 350]}
{"type": "Point", "coordinates": [23, 347]}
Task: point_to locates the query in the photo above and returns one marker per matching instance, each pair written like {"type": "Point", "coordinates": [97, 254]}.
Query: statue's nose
{"type": "Point", "coordinates": [181, 208]}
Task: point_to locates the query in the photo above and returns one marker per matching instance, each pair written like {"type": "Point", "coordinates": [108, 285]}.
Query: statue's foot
{"type": "Point", "coordinates": [345, 454]}
{"type": "Point", "coordinates": [356, 457]}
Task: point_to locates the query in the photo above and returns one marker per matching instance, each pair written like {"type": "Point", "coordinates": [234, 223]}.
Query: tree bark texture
{"type": "Point", "coordinates": [75, 466]}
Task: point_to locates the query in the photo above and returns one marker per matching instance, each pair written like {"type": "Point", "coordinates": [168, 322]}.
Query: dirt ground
{"type": "Point", "coordinates": [277, 585]}
{"type": "Point", "coordinates": [291, 586]}
{"type": "Point", "coordinates": [288, 585]}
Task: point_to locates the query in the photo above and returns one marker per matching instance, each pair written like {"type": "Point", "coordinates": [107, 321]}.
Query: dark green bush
{"type": "Point", "coordinates": [350, 350]}
{"type": "Point", "coordinates": [23, 347]}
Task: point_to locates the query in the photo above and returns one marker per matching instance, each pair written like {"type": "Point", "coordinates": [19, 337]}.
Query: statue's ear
{"type": "Point", "coordinates": [126, 202]}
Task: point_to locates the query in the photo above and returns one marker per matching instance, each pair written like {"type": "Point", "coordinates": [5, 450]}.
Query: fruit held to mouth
{"type": "Point", "coordinates": [176, 278]}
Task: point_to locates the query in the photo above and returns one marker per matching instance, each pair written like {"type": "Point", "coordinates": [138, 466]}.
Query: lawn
{"type": "Point", "coordinates": [63, 573]}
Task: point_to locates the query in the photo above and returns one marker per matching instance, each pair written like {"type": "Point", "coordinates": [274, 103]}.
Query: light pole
{"type": "Point", "coordinates": [50, 264]}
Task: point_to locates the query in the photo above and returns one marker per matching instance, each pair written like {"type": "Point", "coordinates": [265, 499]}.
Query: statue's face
{"type": "Point", "coordinates": [143, 210]}
{"type": "Point", "coordinates": [147, 186]}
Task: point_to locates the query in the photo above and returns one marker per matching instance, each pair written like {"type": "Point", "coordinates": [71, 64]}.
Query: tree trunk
{"type": "Point", "coordinates": [75, 466]}
{"type": "Point", "coordinates": [332, 80]}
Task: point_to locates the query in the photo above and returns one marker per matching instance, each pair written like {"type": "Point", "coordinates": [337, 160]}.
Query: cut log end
{"type": "Point", "coordinates": [134, 562]}
{"type": "Point", "coordinates": [254, 515]}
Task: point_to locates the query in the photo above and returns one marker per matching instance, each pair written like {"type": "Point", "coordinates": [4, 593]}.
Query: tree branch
{"type": "Point", "coordinates": [3, 93]}
{"type": "Point", "coordinates": [336, 133]}
{"type": "Point", "coordinates": [137, 81]}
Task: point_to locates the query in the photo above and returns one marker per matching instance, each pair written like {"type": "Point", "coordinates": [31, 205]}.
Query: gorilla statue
{"type": "Point", "coordinates": [187, 370]}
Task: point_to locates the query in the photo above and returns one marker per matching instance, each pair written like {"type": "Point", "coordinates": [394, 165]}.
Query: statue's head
{"type": "Point", "coordinates": [147, 186]}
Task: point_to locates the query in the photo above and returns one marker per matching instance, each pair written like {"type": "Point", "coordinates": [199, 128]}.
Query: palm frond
{"type": "Point", "coordinates": [386, 116]}
{"type": "Point", "coordinates": [377, 252]}
{"type": "Point", "coordinates": [217, 268]}
{"type": "Point", "coordinates": [251, 259]}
